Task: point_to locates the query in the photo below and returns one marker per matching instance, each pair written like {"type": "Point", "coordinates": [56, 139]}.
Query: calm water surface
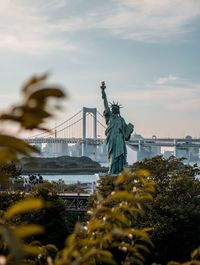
{"type": "Point", "coordinates": [69, 179]}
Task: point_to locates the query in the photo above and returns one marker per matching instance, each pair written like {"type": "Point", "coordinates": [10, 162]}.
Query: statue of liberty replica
{"type": "Point", "coordinates": [117, 132]}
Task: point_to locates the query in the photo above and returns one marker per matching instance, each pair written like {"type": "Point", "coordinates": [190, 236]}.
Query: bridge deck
{"type": "Point", "coordinates": [75, 202]}
{"type": "Point", "coordinates": [74, 195]}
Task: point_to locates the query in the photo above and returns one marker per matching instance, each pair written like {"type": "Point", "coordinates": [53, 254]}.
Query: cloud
{"type": "Point", "coordinates": [27, 29]}
{"type": "Point", "coordinates": [33, 46]}
{"type": "Point", "coordinates": [151, 20]}
{"type": "Point", "coordinates": [52, 4]}
{"type": "Point", "coordinates": [163, 80]}
{"type": "Point", "coordinates": [159, 94]}
{"type": "Point", "coordinates": [188, 104]}
{"type": "Point", "coordinates": [7, 100]}
{"type": "Point", "coordinates": [183, 96]}
{"type": "Point", "coordinates": [38, 27]}
{"type": "Point", "coordinates": [140, 20]}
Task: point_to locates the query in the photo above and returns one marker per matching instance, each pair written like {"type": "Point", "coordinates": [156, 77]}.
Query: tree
{"type": "Point", "coordinates": [54, 218]}
{"type": "Point", "coordinates": [174, 214]}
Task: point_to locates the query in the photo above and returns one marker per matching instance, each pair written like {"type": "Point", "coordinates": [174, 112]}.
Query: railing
{"type": "Point", "coordinates": [74, 202]}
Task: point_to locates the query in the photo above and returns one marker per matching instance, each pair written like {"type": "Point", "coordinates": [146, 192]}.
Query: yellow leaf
{"type": "Point", "coordinates": [16, 145]}
{"type": "Point", "coordinates": [34, 80]}
{"type": "Point", "coordinates": [28, 230]}
{"type": "Point", "coordinates": [143, 172]}
{"type": "Point", "coordinates": [29, 250]}
{"type": "Point", "coordinates": [120, 179]}
{"type": "Point", "coordinates": [42, 94]}
{"type": "Point", "coordinates": [195, 253]}
{"type": "Point", "coordinates": [25, 206]}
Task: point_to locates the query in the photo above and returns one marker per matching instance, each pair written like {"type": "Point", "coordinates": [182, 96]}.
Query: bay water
{"type": "Point", "coordinates": [69, 179]}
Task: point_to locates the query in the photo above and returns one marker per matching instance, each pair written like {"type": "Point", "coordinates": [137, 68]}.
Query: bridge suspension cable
{"type": "Point", "coordinates": [57, 126]}
{"type": "Point", "coordinates": [100, 114]}
{"type": "Point", "coordinates": [98, 121]}
{"type": "Point", "coordinates": [73, 130]}
{"type": "Point", "coordinates": [69, 125]}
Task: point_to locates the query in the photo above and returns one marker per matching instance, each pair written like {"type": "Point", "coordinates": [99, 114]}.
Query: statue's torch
{"type": "Point", "coordinates": [103, 85]}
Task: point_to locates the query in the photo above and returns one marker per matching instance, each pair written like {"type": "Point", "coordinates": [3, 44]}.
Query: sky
{"type": "Point", "coordinates": [147, 52]}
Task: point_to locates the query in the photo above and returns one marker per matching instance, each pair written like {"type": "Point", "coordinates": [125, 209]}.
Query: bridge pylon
{"type": "Point", "coordinates": [94, 112]}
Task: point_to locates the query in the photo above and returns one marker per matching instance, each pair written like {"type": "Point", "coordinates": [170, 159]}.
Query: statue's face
{"type": "Point", "coordinates": [115, 110]}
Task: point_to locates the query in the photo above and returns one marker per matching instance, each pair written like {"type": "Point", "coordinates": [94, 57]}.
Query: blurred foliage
{"type": "Point", "coordinates": [109, 236]}
{"type": "Point", "coordinates": [7, 199]}
{"type": "Point", "coordinates": [57, 222]}
{"type": "Point", "coordinates": [12, 237]}
{"type": "Point", "coordinates": [7, 171]}
{"type": "Point", "coordinates": [30, 114]}
{"type": "Point", "coordinates": [34, 110]}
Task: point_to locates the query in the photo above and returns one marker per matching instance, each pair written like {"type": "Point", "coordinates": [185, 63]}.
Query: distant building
{"type": "Point", "coordinates": [167, 154]}
{"type": "Point", "coordinates": [101, 154]}
{"type": "Point", "coordinates": [39, 148]}
{"type": "Point", "coordinates": [136, 137]}
{"type": "Point", "coordinates": [75, 150]}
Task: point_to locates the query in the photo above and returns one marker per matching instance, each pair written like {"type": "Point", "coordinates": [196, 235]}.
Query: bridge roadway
{"type": "Point", "coordinates": [146, 142]}
{"type": "Point", "coordinates": [89, 141]}
{"type": "Point", "coordinates": [75, 202]}
{"type": "Point", "coordinates": [165, 142]}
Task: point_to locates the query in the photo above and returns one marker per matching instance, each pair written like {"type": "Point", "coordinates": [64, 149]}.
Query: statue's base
{"type": "Point", "coordinates": [100, 175]}
{"type": "Point", "coordinates": [127, 168]}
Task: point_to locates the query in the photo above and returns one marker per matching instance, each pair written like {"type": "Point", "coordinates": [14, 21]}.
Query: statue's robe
{"type": "Point", "coordinates": [117, 133]}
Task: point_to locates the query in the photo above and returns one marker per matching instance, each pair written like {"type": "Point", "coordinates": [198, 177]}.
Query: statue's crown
{"type": "Point", "coordinates": [115, 105]}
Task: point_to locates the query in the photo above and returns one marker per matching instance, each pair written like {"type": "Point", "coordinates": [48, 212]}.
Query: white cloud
{"type": "Point", "coordinates": [180, 97]}
{"type": "Point", "coordinates": [158, 95]}
{"type": "Point", "coordinates": [31, 28]}
{"type": "Point", "coordinates": [188, 104]}
{"type": "Point", "coordinates": [24, 28]}
{"type": "Point", "coordinates": [8, 100]}
{"type": "Point", "coordinates": [140, 20]}
{"type": "Point", "coordinates": [33, 46]}
{"type": "Point", "coordinates": [36, 27]}
{"type": "Point", "coordinates": [151, 20]}
{"type": "Point", "coordinates": [52, 4]}
{"type": "Point", "coordinates": [163, 80]}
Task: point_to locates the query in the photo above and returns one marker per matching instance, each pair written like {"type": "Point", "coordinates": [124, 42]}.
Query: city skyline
{"type": "Point", "coordinates": [146, 51]}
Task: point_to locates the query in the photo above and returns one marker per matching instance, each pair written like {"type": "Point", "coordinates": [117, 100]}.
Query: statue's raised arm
{"type": "Point", "coordinates": [104, 97]}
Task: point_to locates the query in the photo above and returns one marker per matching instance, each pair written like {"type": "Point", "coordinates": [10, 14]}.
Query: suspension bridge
{"type": "Point", "coordinates": [86, 129]}
{"type": "Point", "coordinates": [84, 124]}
